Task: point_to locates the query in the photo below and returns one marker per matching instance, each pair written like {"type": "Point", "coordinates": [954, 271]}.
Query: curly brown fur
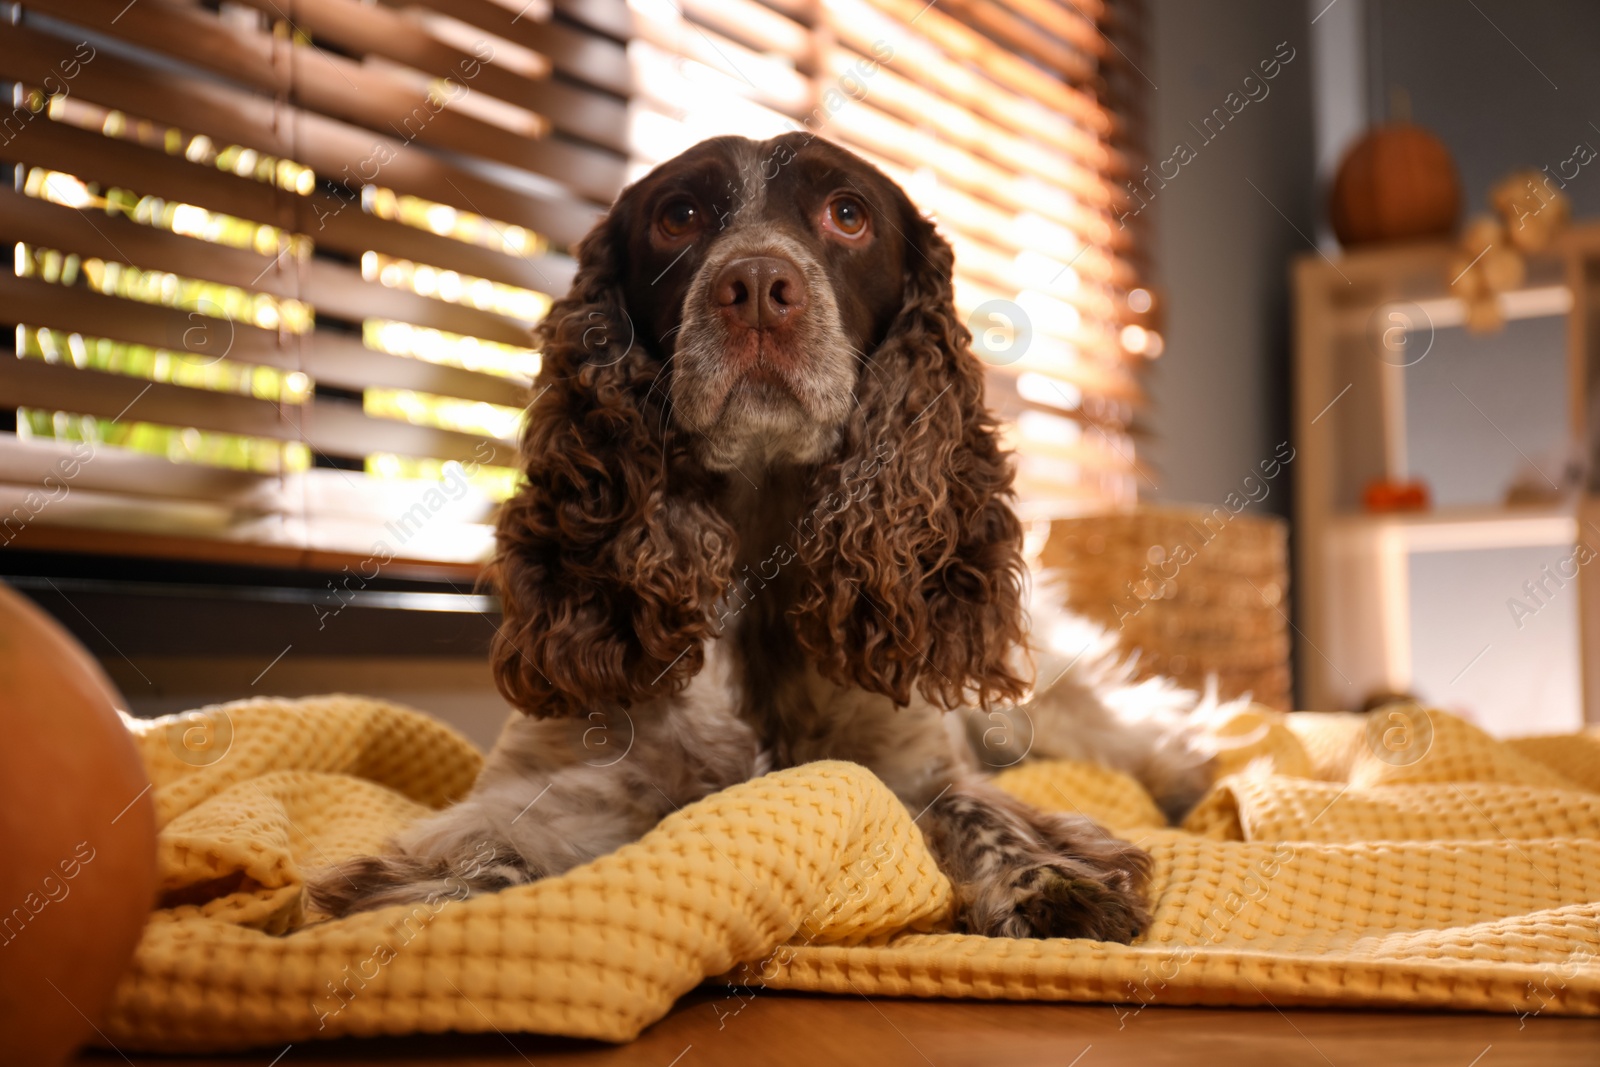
{"type": "Point", "coordinates": [611, 556]}
{"type": "Point", "coordinates": [767, 520]}
{"type": "Point", "coordinates": [919, 582]}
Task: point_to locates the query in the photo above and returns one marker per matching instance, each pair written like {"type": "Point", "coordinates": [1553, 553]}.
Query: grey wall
{"type": "Point", "coordinates": [1505, 83]}
{"type": "Point", "coordinates": [1221, 246]}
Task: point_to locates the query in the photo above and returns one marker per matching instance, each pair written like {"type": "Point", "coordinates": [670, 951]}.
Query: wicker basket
{"type": "Point", "coordinates": [1197, 592]}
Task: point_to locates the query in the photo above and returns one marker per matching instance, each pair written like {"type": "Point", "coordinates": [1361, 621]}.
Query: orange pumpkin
{"type": "Point", "coordinates": [1396, 183]}
{"type": "Point", "coordinates": [77, 837]}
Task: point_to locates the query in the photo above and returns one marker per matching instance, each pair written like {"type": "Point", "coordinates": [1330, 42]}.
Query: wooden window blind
{"type": "Point", "coordinates": [276, 261]}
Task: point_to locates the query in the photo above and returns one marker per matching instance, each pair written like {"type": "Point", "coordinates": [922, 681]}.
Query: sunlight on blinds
{"type": "Point", "coordinates": [306, 242]}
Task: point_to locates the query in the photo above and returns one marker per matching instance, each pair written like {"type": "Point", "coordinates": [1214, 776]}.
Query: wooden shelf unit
{"type": "Point", "coordinates": [1352, 568]}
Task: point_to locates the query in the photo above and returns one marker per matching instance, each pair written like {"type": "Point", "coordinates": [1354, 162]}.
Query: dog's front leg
{"type": "Point", "coordinates": [1022, 872]}
{"type": "Point", "coordinates": [555, 793]}
{"type": "Point", "coordinates": [1017, 871]}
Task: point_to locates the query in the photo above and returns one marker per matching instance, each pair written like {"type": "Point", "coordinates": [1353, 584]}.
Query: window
{"type": "Point", "coordinates": [275, 262]}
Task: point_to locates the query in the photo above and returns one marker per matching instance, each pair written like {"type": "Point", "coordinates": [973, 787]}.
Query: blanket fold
{"type": "Point", "coordinates": [1326, 867]}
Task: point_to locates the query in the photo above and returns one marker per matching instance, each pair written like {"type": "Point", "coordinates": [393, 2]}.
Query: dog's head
{"type": "Point", "coordinates": [764, 271]}
{"type": "Point", "coordinates": [748, 307]}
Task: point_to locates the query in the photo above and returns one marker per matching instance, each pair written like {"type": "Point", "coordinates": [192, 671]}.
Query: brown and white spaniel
{"type": "Point", "coordinates": [767, 520]}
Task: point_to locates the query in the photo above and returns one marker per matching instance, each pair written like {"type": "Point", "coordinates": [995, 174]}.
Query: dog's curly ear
{"type": "Point", "coordinates": [913, 553]}
{"type": "Point", "coordinates": [606, 569]}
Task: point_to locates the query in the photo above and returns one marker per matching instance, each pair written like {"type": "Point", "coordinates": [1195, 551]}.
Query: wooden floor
{"type": "Point", "coordinates": [779, 1029]}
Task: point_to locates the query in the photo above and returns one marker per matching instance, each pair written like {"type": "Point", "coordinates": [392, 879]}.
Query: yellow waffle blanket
{"type": "Point", "coordinates": [1330, 865]}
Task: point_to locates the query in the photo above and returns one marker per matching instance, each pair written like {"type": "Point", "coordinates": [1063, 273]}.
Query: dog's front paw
{"type": "Point", "coordinates": [1021, 872]}
{"type": "Point", "coordinates": [1059, 900]}
{"type": "Point", "coordinates": [1063, 897]}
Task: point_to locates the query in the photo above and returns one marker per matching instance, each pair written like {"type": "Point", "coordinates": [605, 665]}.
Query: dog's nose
{"type": "Point", "coordinates": [761, 292]}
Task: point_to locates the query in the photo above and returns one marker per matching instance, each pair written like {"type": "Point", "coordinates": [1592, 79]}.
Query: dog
{"type": "Point", "coordinates": [767, 520]}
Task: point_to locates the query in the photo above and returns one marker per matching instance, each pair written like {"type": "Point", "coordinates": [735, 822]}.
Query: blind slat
{"type": "Point", "coordinates": [329, 358]}
{"type": "Point", "coordinates": [27, 464]}
{"type": "Point", "coordinates": [101, 530]}
{"type": "Point", "coordinates": [94, 157]}
{"type": "Point", "coordinates": [873, 130]}
{"type": "Point", "coordinates": [96, 467]}
{"type": "Point", "coordinates": [612, 17]}
{"type": "Point", "coordinates": [353, 232]}
{"type": "Point", "coordinates": [763, 78]}
{"type": "Point", "coordinates": [1053, 54]}
{"type": "Point", "coordinates": [334, 428]}
{"type": "Point", "coordinates": [1073, 21]}
{"type": "Point", "coordinates": [370, 96]}
{"type": "Point", "coordinates": [861, 25]}
{"type": "Point", "coordinates": [904, 99]}
{"type": "Point", "coordinates": [575, 52]}
{"type": "Point", "coordinates": [984, 223]}
{"type": "Point", "coordinates": [370, 29]}
{"type": "Point", "coordinates": [756, 24]}
{"type": "Point", "coordinates": [343, 429]}
{"type": "Point", "coordinates": [333, 222]}
{"type": "Point", "coordinates": [336, 150]}
{"type": "Point", "coordinates": [329, 287]}
{"type": "Point", "coordinates": [1016, 74]}
{"type": "Point", "coordinates": [63, 387]}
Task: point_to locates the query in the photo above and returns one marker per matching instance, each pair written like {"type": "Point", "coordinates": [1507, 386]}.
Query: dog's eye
{"type": "Point", "coordinates": [678, 217]}
{"type": "Point", "coordinates": [847, 215]}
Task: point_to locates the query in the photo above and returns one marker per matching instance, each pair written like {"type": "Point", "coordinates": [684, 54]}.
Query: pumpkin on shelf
{"type": "Point", "coordinates": [1396, 183]}
{"type": "Point", "coordinates": [1385, 495]}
